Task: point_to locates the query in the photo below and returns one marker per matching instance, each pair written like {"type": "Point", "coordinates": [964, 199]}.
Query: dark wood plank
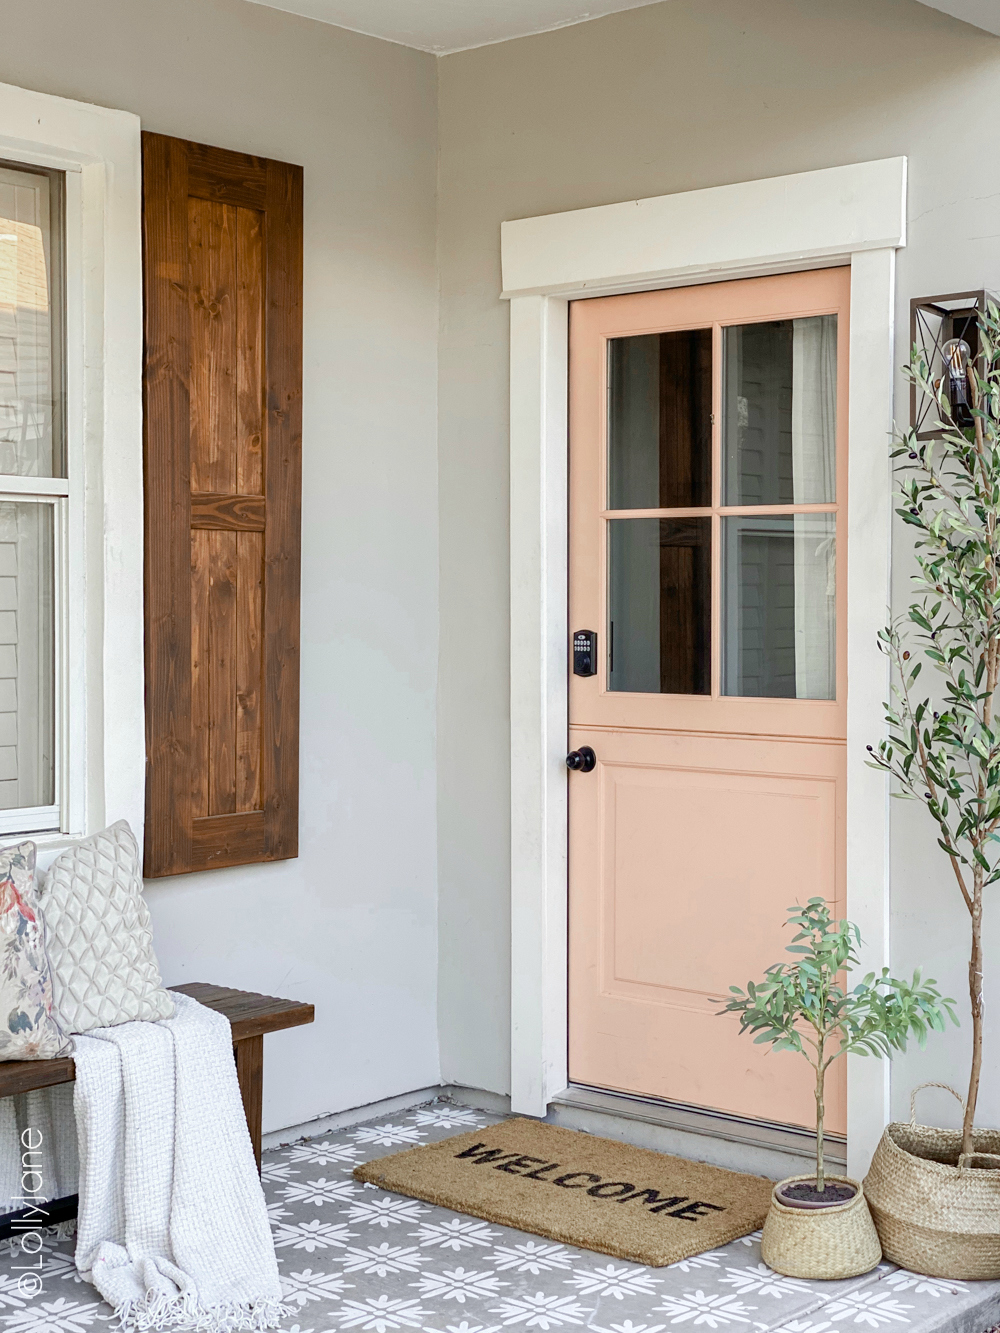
{"type": "Point", "coordinates": [26, 1075]}
{"type": "Point", "coordinates": [685, 424]}
{"type": "Point", "coordinates": [228, 513]}
{"type": "Point", "coordinates": [283, 487]}
{"type": "Point", "coordinates": [229, 840]}
{"type": "Point", "coordinates": [201, 649]}
{"type": "Point", "coordinates": [249, 1056]}
{"type": "Point", "coordinates": [249, 351]}
{"type": "Point", "coordinates": [222, 673]}
{"type": "Point", "coordinates": [225, 176]}
{"type": "Point", "coordinates": [167, 506]}
{"type": "Point", "coordinates": [250, 1013]}
{"type": "Point", "coordinates": [212, 260]}
{"type": "Point", "coordinates": [249, 666]}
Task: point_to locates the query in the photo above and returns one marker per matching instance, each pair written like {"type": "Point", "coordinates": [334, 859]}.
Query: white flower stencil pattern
{"type": "Point", "coordinates": [360, 1259]}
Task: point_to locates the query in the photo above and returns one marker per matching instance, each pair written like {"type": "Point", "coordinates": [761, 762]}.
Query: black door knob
{"type": "Point", "coordinates": [583, 760]}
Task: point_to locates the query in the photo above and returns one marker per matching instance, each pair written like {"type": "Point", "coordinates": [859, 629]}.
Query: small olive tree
{"type": "Point", "coordinates": [802, 1006]}
{"type": "Point", "coordinates": [945, 752]}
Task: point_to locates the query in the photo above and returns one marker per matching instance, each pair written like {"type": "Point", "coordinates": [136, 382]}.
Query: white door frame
{"type": "Point", "coordinates": [841, 215]}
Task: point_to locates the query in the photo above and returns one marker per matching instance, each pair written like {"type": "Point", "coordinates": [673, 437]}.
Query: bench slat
{"type": "Point", "coordinates": [27, 1075]}
{"type": "Point", "coordinates": [250, 1015]}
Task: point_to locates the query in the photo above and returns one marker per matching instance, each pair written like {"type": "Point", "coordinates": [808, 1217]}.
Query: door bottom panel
{"type": "Point", "coordinates": [684, 854]}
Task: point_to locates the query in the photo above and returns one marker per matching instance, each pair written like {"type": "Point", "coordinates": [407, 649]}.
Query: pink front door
{"type": "Point", "coordinates": [708, 477]}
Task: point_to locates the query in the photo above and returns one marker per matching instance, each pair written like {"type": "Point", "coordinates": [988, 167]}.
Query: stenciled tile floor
{"type": "Point", "coordinates": [353, 1257]}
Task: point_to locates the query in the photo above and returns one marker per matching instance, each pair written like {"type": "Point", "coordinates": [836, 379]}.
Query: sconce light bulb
{"type": "Point", "coordinates": [956, 354]}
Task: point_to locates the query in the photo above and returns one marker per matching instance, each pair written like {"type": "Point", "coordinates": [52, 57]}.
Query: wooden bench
{"type": "Point", "coordinates": [250, 1015]}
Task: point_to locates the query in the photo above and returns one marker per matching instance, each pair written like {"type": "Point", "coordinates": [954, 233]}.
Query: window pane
{"type": "Point", "coordinates": [780, 606]}
{"type": "Point", "coordinates": [660, 420]}
{"type": "Point", "coordinates": [27, 666]}
{"type": "Point", "coordinates": [780, 412]}
{"type": "Point", "coordinates": [30, 324]}
{"type": "Point", "coordinates": [660, 600]}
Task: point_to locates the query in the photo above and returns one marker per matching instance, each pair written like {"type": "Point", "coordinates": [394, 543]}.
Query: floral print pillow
{"type": "Point", "coordinates": [28, 1030]}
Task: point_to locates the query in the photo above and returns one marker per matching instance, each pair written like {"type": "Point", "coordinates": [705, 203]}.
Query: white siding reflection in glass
{"type": "Point", "coordinates": [780, 412]}
{"type": "Point", "coordinates": [779, 606]}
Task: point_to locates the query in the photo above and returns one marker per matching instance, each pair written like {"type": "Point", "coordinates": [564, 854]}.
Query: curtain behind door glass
{"type": "Point", "coordinates": [814, 445]}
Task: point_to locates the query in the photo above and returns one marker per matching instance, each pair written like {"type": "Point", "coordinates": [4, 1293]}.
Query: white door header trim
{"type": "Point", "coordinates": [727, 231]}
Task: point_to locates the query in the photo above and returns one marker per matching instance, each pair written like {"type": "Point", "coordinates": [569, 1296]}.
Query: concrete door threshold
{"type": "Point", "coordinates": [758, 1147]}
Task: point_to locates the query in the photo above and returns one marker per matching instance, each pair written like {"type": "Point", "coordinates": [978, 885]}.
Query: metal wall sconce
{"type": "Point", "coordinates": [945, 331]}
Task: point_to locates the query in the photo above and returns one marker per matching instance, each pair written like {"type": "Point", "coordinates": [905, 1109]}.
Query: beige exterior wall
{"type": "Point", "coordinates": [670, 97]}
{"type": "Point", "coordinates": [351, 924]}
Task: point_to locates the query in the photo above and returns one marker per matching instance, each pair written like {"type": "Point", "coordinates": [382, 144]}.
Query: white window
{"type": "Point", "coordinates": [71, 692]}
{"type": "Point", "coordinates": [34, 493]}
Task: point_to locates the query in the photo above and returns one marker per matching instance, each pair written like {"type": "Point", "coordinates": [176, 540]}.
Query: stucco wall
{"type": "Point", "coordinates": [350, 924]}
{"type": "Point", "coordinates": [670, 97]}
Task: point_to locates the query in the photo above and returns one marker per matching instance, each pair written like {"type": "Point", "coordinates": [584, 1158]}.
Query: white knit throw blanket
{"type": "Point", "coordinates": [172, 1229]}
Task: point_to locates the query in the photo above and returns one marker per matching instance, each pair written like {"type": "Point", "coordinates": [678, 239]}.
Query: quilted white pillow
{"type": "Point", "coordinates": [98, 935]}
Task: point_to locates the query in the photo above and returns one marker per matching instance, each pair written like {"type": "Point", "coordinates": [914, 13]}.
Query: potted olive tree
{"type": "Point", "coordinates": [935, 1194]}
{"type": "Point", "coordinates": [819, 1225]}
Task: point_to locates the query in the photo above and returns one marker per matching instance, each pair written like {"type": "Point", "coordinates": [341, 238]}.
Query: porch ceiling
{"type": "Point", "coordinates": [983, 14]}
{"type": "Point", "coordinates": [442, 26]}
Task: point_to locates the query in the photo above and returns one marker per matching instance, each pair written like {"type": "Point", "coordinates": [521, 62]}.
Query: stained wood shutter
{"type": "Point", "coordinates": [222, 383]}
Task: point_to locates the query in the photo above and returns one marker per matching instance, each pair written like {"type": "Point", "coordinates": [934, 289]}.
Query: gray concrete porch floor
{"type": "Point", "coordinates": [353, 1257]}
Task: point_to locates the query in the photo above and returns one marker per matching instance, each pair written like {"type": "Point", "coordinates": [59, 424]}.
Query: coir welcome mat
{"type": "Point", "coordinates": [572, 1187]}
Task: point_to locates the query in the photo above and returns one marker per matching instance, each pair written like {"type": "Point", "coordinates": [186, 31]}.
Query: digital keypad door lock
{"type": "Point", "coordinates": [585, 652]}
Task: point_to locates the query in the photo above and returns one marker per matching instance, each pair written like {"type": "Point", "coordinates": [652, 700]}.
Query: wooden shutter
{"type": "Point", "coordinates": [222, 386]}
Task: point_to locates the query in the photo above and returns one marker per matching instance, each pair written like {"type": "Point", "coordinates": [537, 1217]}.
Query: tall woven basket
{"type": "Point", "coordinates": [826, 1243]}
{"type": "Point", "coordinates": [936, 1209]}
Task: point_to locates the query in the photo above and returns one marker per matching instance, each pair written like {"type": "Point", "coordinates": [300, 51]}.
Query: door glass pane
{"type": "Point", "coordinates": [660, 600]}
{"type": "Point", "coordinates": [30, 324]}
{"type": "Point", "coordinates": [27, 666]}
{"type": "Point", "coordinates": [780, 412]}
{"type": "Point", "coordinates": [660, 420]}
{"type": "Point", "coordinates": [779, 606]}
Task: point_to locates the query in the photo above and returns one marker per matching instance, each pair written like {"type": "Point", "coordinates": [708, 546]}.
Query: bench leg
{"type": "Point", "coordinates": [249, 1055]}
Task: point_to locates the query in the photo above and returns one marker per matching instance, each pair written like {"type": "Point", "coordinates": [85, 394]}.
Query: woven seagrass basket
{"type": "Point", "coordinates": [822, 1242]}
{"type": "Point", "coordinates": [935, 1211]}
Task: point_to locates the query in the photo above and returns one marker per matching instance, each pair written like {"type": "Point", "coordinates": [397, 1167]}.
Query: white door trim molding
{"type": "Point", "coordinates": [842, 215]}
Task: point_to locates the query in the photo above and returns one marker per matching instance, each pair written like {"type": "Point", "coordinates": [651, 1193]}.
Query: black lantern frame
{"type": "Point", "coordinates": [934, 320]}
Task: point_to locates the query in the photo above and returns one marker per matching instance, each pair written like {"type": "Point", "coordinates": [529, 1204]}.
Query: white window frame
{"type": "Point", "coordinates": [852, 215]}
{"type": "Point", "coordinates": [100, 749]}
